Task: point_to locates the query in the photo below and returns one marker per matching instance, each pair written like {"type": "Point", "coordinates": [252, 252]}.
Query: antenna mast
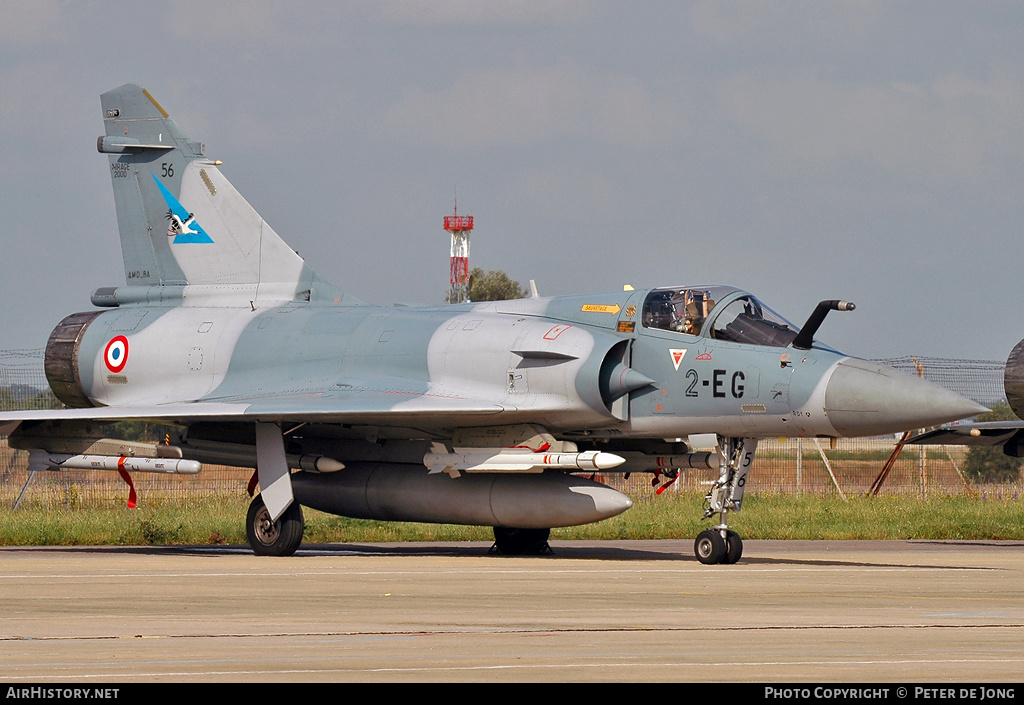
{"type": "Point", "coordinates": [459, 227]}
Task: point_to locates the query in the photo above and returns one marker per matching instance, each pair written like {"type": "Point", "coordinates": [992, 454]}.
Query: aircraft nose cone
{"type": "Point", "coordinates": [868, 399]}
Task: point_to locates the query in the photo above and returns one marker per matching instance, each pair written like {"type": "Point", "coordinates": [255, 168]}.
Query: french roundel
{"type": "Point", "coordinates": [116, 354]}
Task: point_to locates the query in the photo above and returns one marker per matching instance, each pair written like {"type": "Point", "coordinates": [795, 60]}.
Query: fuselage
{"type": "Point", "coordinates": [605, 365]}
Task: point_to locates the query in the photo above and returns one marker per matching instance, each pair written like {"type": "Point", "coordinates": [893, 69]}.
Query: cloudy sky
{"type": "Point", "coordinates": [801, 150]}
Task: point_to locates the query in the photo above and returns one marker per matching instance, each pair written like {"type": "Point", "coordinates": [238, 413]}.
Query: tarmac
{"type": "Point", "coordinates": [592, 611]}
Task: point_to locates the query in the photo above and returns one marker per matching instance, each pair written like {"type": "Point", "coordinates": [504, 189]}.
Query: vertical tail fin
{"type": "Point", "coordinates": [181, 222]}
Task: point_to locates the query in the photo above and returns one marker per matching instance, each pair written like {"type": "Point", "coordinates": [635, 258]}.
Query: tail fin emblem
{"type": "Point", "coordinates": [181, 225]}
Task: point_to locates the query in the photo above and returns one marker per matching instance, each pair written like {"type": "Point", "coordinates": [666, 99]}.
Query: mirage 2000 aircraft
{"type": "Point", "coordinates": [488, 414]}
{"type": "Point", "coordinates": [1008, 435]}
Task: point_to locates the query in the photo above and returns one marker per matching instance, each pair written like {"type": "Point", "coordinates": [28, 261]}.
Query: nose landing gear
{"type": "Point", "coordinates": [720, 544]}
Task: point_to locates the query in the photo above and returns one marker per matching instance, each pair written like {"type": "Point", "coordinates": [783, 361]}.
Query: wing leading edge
{"type": "Point", "coordinates": [375, 408]}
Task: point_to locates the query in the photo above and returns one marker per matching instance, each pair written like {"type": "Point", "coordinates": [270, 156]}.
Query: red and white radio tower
{"type": "Point", "coordinates": [460, 227]}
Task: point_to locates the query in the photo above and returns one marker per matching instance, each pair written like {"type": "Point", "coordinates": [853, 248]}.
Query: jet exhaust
{"type": "Point", "coordinates": [1013, 379]}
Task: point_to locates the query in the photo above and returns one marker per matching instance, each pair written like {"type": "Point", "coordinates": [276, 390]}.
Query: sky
{"type": "Point", "coordinates": [865, 151]}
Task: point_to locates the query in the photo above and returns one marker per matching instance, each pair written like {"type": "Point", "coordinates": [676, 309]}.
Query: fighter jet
{"type": "Point", "coordinates": [493, 414]}
{"type": "Point", "coordinates": [1007, 434]}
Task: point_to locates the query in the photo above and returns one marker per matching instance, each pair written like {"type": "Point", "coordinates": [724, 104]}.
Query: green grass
{"type": "Point", "coordinates": [220, 520]}
{"type": "Point", "coordinates": [886, 517]}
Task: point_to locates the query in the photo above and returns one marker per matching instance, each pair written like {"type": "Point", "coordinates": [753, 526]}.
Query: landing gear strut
{"type": "Point", "coordinates": [720, 544]}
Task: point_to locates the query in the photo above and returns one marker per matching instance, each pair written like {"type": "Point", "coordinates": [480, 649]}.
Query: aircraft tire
{"type": "Point", "coordinates": [278, 538]}
{"type": "Point", "coordinates": [733, 547]}
{"type": "Point", "coordinates": [520, 542]}
{"type": "Point", "coordinates": [709, 547]}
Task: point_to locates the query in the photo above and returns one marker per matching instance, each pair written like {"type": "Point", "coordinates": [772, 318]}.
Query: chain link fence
{"type": "Point", "coordinates": [978, 380]}
{"type": "Point", "coordinates": [847, 467]}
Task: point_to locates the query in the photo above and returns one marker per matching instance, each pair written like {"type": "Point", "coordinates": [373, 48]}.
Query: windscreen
{"type": "Point", "coordinates": [747, 320]}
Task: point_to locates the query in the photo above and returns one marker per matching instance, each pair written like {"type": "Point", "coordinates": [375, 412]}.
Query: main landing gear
{"type": "Point", "coordinates": [274, 538]}
{"type": "Point", "coordinates": [720, 544]}
{"type": "Point", "coordinates": [521, 542]}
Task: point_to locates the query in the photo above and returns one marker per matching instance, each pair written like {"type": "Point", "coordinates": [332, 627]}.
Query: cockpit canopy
{"type": "Point", "coordinates": [718, 312]}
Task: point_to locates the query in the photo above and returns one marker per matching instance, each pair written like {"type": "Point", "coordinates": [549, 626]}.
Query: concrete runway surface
{"type": "Point", "coordinates": [638, 611]}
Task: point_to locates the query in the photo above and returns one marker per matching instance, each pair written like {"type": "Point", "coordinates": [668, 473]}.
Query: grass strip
{"type": "Point", "coordinates": [221, 520]}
